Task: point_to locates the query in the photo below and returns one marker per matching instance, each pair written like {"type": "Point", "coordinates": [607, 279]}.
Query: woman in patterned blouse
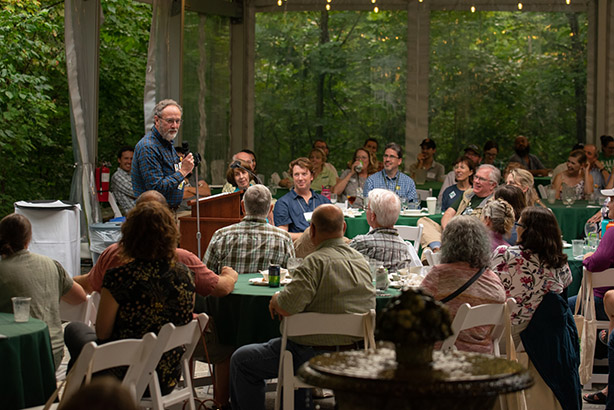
{"type": "Point", "coordinates": [534, 267]}
{"type": "Point", "coordinates": [150, 290]}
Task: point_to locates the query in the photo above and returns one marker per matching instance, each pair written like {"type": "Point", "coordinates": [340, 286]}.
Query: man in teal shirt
{"type": "Point", "coordinates": [333, 279]}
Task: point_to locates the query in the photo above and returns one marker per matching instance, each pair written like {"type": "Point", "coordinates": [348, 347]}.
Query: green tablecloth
{"type": "Point", "coordinates": [359, 226]}
{"type": "Point", "coordinates": [27, 372]}
{"type": "Point", "coordinates": [572, 220]}
{"type": "Point", "coordinates": [576, 271]}
{"type": "Point", "coordinates": [243, 316]}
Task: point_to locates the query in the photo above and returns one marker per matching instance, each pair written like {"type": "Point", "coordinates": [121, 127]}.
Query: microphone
{"type": "Point", "coordinates": [237, 164]}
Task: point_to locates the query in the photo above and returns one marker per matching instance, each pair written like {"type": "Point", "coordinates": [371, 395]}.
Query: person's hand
{"type": "Point", "coordinates": [596, 217]}
{"type": "Point", "coordinates": [273, 307]}
{"type": "Point", "coordinates": [587, 254]}
{"type": "Point", "coordinates": [230, 272]}
{"type": "Point", "coordinates": [187, 165]}
{"type": "Point", "coordinates": [421, 158]}
{"type": "Point", "coordinates": [599, 165]}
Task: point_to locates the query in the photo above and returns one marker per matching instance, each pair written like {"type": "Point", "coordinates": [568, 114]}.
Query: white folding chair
{"type": "Point", "coordinates": [169, 338]}
{"type": "Point", "coordinates": [116, 212]}
{"type": "Point", "coordinates": [468, 317]}
{"type": "Point", "coordinates": [591, 280]}
{"type": "Point", "coordinates": [94, 358]}
{"type": "Point", "coordinates": [83, 312]}
{"type": "Point", "coordinates": [310, 323]}
{"type": "Point", "coordinates": [411, 233]}
{"type": "Point", "coordinates": [433, 258]}
{"type": "Point", "coordinates": [424, 193]}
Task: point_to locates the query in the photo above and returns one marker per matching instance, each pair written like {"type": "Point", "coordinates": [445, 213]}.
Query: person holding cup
{"type": "Point", "coordinates": [359, 168]}
{"type": "Point", "coordinates": [38, 277]}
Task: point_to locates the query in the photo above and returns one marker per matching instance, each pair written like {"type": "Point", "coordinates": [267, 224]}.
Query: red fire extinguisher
{"type": "Point", "coordinates": [103, 176]}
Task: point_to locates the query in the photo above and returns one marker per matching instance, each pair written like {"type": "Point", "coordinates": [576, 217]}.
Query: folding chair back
{"type": "Point", "coordinates": [170, 337]}
{"type": "Point", "coordinates": [411, 233]}
{"type": "Point", "coordinates": [302, 324]}
{"type": "Point", "coordinates": [468, 317]}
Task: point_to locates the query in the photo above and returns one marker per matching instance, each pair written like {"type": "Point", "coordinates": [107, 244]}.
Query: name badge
{"type": "Point", "coordinates": [307, 216]}
{"type": "Point", "coordinates": [177, 166]}
{"type": "Point", "coordinates": [431, 175]}
{"type": "Point", "coordinates": [452, 194]}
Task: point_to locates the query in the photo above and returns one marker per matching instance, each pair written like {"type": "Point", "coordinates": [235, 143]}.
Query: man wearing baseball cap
{"type": "Point", "coordinates": [426, 165]}
{"type": "Point", "coordinates": [473, 152]}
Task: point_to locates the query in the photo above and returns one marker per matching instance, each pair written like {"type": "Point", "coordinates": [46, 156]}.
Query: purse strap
{"type": "Point", "coordinates": [464, 287]}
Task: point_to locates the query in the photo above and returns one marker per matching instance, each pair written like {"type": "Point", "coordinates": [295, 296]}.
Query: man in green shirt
{"type": "Point", "coordinates": [333, 279]}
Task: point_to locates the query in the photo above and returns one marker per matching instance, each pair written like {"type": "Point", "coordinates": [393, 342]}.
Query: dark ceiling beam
{"type": "Point", "coordinates": [230, 9]}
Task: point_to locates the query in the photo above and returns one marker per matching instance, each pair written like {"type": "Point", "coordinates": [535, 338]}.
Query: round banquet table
{"type": "Point", "coordinates": [572, 220]}
{"type": "Point", "coordinates": [358, 225]}
{"type": "Point", "coordinates": [27, 378]}
{"type": "Point", "coordinates": [434, 185]}
{"type": "Point", "coordinates": [243, 316]}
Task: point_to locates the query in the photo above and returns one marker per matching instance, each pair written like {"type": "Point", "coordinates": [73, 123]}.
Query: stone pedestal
{"type": "Point", "coordinates": [374, 380]}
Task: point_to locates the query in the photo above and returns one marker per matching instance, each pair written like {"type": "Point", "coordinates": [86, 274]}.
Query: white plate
{"type": "Point", "coordinates": [414, 212]}
{"type": "Point", "coordinates": [262, 282]}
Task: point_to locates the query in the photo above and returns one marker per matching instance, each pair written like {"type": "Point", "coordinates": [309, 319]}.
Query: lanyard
{"type": "Point", "coordinates": [301, 205]}
{"type": "Point", "coordinates": [397, 188]}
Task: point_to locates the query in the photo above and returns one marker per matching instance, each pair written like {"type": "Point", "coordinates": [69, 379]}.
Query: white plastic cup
{"type": "Point", "coordinates": [431, 204]}
{"type": "Point", "coordinates": [21, 308]}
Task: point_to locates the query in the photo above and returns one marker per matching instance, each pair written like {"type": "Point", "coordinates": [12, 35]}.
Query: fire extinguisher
{"type": "Point", "coordinates": [103, 176]}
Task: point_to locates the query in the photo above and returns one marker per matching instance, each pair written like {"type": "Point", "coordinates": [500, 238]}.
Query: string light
{"type": "Point", "coordinates": [568, 2]}
{"type": "Point", "coordinates": [519, 6]}
{"type": "Point", "coordinates": [473, 9]}
{"type": "Point", "coordinates": [279, 3]}
{"type": "Point", "coordinates": [376, 9]}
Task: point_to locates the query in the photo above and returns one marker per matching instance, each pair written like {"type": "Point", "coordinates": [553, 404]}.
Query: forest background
{"type": "Point", "coordinates": [333, 75]}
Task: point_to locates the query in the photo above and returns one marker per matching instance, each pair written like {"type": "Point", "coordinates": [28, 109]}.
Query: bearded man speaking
{"type": "Point", "coordinates": [156, 165]}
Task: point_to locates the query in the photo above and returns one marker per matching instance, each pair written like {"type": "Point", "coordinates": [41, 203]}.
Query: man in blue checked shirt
{"type": "Point", "coordinates": [156, 165]}
{"type": "Point", "coordinates": [390, 178]}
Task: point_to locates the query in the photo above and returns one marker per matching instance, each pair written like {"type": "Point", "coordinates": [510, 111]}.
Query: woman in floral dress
{"type": "Point", "coordinates": [534, 267]}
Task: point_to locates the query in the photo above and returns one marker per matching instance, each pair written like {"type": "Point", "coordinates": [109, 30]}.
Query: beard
{"type": "Point", "coordinates": [169, 135]}
{"type": "Point", "coordinates": [523, 152]}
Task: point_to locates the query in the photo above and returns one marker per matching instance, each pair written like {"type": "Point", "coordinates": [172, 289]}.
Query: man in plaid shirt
{"type": "Point", "coordinates": [383, 243]}
{"type": "Point", "coordinates": [252, 244]}
{"type": "Point", "coordinates": [156, 165]}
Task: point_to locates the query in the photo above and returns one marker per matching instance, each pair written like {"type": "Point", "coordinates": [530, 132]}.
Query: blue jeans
{"type": "Point", "coordinates": [599, 309]}
{"type": "Point", "coordinates": [252, 364]}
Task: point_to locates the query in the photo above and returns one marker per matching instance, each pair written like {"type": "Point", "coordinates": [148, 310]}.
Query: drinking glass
{"type": "Point", "coordinates": [294, 263]}
{"type": "Point", "coordinates": [577, 248]}
{"type": "Point", "coordinates": [333, 198]}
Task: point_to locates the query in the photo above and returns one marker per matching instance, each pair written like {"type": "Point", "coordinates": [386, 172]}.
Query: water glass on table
{"type": "Point", "coordinates": [21, 308]}
{"type": "Point", "coordinates": [577, 248]}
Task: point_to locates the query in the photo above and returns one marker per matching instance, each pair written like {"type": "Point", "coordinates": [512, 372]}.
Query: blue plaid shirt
{"type": "Point", "coordinates": [155, 166]}
{"type": "Point", "coordinates": [401, 184]}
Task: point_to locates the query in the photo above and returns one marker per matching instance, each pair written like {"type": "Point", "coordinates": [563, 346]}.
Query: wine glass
{"type": "Point", "coordinates": [590, 229]}
{"type": "Point", "coordinates": [568, 195]}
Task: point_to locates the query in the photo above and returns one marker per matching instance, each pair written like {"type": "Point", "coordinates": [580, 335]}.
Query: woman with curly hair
{"type": "Point", "coordinates": [465, 251]}
{"type": "Point", "coordinates": [150, 290]}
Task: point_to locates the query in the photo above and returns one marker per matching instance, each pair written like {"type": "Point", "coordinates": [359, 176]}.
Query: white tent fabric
{"type": "Point", "coordinates": [82, 23]}
{"type": "Point", "coordinates": [163, 77]}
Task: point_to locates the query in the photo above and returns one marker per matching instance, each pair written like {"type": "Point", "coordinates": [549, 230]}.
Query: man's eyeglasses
{"type": "Point", "coordinates": [391, 157]}
{"type": "Point", "coordinates": [172, 120]}
{"type": "Point", "coordinates": [481, 179]}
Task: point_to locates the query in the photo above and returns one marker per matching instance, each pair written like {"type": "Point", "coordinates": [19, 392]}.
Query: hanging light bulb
{"type": "Point", "coordinates": [279, 3]}
{"type": "Point", "coordinates": [473, 9]}
{"type": "Point", "coordinates": [568, 2]}
{"type": "Point", "coordinates": [519, 6]}
{"type": "Point", "coordinates": [376, 9]}
{"type": "Point", "coordinates": [327, 6]}
{"type": "Point", "coordinates": [373, 1]}
{"type": "Point", "coordinates": [328, 1]}
{"type": "Point", "coordinates": [420, 1]}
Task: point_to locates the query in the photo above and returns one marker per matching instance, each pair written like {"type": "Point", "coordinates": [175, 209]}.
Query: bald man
{"type": "Point", "coordinates": [333, 279]}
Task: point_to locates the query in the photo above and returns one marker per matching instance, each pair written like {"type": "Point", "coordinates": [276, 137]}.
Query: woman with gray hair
{"type": "Point", "coordinates": [498, 217]}
{"type": "Point", "coordinates": [465, 256]}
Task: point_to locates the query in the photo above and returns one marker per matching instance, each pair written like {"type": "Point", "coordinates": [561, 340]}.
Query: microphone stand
{"type": "Point", "coordinates": [198, 235]}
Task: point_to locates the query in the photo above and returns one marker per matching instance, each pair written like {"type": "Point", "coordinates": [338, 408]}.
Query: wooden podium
{"type": "Point", "coordinates": [216, 212]}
